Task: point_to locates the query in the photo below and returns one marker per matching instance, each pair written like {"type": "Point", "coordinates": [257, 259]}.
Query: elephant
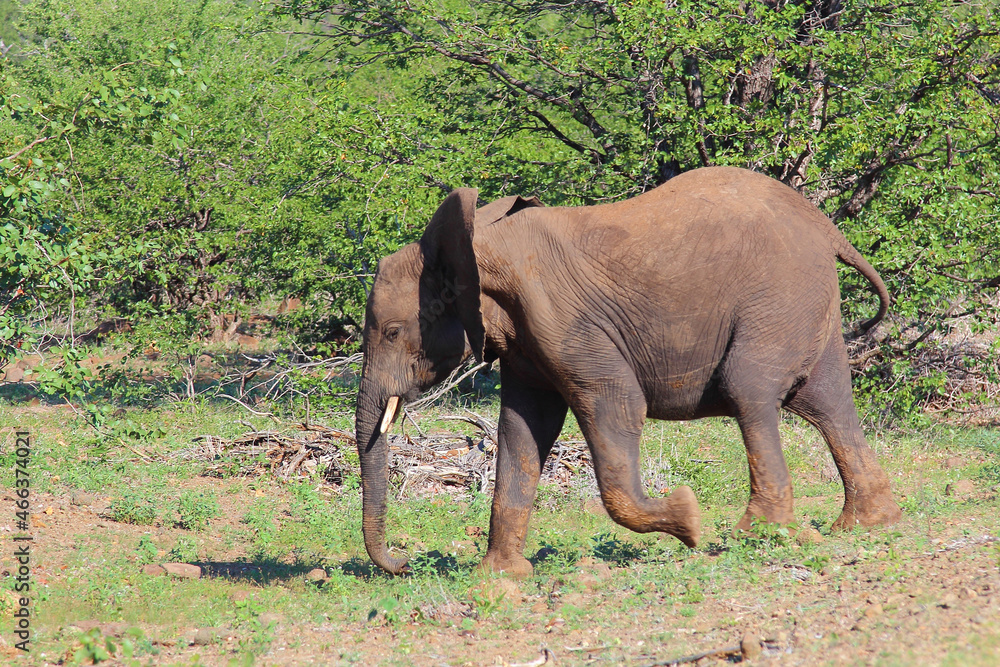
{"type": "Point", "coordinates": [714, 294]}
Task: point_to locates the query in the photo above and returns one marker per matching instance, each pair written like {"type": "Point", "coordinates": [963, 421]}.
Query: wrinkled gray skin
{"type": "Point", "coordinates": [715, 294]}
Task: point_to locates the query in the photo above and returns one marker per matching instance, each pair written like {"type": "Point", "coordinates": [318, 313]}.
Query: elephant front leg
{"type": "Point", "coordinates": [611, 414]}
{"type": "Point", "coordinates": [530, 422]}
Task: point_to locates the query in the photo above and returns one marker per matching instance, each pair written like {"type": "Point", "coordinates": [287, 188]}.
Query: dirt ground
{"type": "Point", "coordinates": [938, 603]}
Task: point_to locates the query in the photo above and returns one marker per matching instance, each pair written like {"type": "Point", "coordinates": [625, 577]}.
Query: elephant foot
{"type": "Point", "coordinates": [880, 510]}
{"type": "Point", "coordinates": [779, 512]}
{"type": "Point", "coordinates": [687, 516]}
{"type": "Point", "coordinates": [514, 565]}
{"type": "Point", "coordinates": [676, 515]}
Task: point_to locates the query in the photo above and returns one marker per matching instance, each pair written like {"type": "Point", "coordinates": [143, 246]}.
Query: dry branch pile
{"type": "Point", "coordinates": [259, 452]}
{"type": "Point", "coordinates": [419, 465]}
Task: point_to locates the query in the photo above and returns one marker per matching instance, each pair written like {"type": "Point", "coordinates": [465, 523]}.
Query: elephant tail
{"type": "Point", "coordinates": [849, 255]}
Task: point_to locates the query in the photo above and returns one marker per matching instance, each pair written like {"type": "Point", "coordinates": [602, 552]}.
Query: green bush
{"type": "Point", "coordinates": [196, 509]}
{"type": "Point", "coordinates": [135, 506]}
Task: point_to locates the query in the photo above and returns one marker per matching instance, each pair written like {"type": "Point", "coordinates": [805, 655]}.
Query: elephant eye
{"type": "Point", "coordinates": [390, 333]}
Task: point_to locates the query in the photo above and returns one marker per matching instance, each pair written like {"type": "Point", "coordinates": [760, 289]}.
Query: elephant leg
{"type": "Point", "coordinates": [753, 390]}
{"type": "Point", "coordinates": [826, 402]}
{"type": "Point", "coordinates": [530, 422]}
{"type": "Point", "coordinates": [611, 412]}
{"type": "Point", "coordinates": [770, 483]}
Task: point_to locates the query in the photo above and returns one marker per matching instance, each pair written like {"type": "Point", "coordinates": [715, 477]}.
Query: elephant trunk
{"type": "Point", "coordinates": [373, 450]}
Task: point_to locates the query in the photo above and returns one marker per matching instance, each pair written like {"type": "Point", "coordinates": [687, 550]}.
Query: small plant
{"type": "Point", "coordinates": [816, 562]}
{"type": "Point", "coordinates": [487, 604]}
{"type": "Point", "coordinates": [388, 607]}
{"type": "Point", "coordinates": [185, 551]}
{"type": "Point", "coordinates": [196, 509]}
{"type": "Point", "coordinates": [760, 541]}
{"type": "Point", "coordinates": [259, 520]}
{"type": "Point", "coordinates": [137, 507]}
{"type": "Point", "coordinates": [96, 648]}
{"type": "Point", "coordinates": [146, 550]}
{"type": "Point", "coordinates": [248, 614]}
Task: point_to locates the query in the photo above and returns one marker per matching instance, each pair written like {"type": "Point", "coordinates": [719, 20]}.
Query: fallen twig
{"type": "Point", "coordinates": [716, 653]}
{"type": "Point", "coordinates": [546, 658]}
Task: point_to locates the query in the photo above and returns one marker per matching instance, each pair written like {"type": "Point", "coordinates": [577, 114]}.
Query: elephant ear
{"type": "Point", "coordinates": [501, 208]}
{"type": "Point", "coordinates": [447, 248]}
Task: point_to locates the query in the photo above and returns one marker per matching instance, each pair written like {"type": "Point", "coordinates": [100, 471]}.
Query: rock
{"type": "Point", "coordinates": [593, 573]}
{"type": "Point", "coordinates": [106, 629]}
{"type": "Point", "coordinates": [316, 575]}
{"type": "Point", "coordinates": [589, 581]}
{"type": "Point", "coordinates": [81, 498]}
{"type": "Point", "coordinates": [495, 591]}
{"type": "Point", "coordinates": [967, 594]}
{"type": "Point", "coordinates": [269, 618]}
{"type": "Point", "coordinates": [808, 535]}
{"type": "Point", "coordinates": [954, 462]}
{"type": "Point", "coordinates": [153, 570]}
{"type": "Point", "coordinates": [205, 636]}
{"type": "Point", "coordinates": [873, 610]}
{"type": "Point", "coordinates": [750, 646]}
{"type": "Point", "coordinates": [183, 570]}
{"type": "Point", "coordinates": [964, 488]}
{"type": "Point", "coordinates": [242, 340]}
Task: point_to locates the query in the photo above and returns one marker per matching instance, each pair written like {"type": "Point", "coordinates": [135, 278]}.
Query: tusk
{"type": "Point", "coordinates": [390, 414]}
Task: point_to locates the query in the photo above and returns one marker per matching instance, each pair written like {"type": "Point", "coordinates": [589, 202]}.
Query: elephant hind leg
{"type": "Point", "coordinates": [611, 417]}
{"type": "Point", "coordinates": [753, 389]}
{"type": "Point", "coordinates": [770, 484]}
{"type": "Point", "coordinates": [825, 401]}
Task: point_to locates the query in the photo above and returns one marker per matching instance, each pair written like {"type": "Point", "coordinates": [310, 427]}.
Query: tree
{"type": "Point", "coordinates": [885, 116]}
{"type": "Point", "coordinates": [45, 258]}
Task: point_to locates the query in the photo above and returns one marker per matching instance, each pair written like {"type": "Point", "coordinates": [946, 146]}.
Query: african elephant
{"type": "Point", "coordinates": [714, 294]}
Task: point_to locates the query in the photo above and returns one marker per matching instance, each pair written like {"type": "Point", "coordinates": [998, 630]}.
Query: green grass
{"type": "Point", "coordinates": [263, 536]}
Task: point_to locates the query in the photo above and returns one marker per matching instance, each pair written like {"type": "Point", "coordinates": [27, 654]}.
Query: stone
{"type": "Point", "coordinates": [873, 610]}
{"type": "Point", "coordinates": [153, 570]}
{"type": "Point", "coordinates": [81, 498]}
{"type": "Point", "coordinates": [183, 570]}
{"type": "Point", "coordinates": [967, 594]}
{"type": "Point", "coordinates": [750, 646]}
{"type": "Point", "coordinates": [205, 636]}
{"type": "Point", "coordinates": [963, 488]}
{"type": "Point", "coordinates": [269, 618]}
{"type": "Point", "coordinates": [496, 591]}
{"type": "Point", "coordinates": [808, 535]}
{"type": "Point", "coordinates": [240, 595]}
{"type": "Point", "coordinates": [316, 575]}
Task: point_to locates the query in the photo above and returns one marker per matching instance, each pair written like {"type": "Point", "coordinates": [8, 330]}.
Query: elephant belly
{"type": "Point", "coordinates": [690, 395]}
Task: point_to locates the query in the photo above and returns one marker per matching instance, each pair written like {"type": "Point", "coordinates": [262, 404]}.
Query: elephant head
{"type": "Point", "coordinates": [422, 320]}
